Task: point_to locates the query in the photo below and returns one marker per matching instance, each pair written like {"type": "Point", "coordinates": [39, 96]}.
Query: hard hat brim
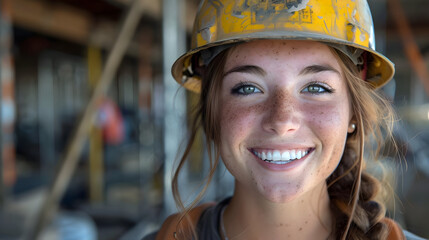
{"type": "Point", "coordinates": [380, 70]}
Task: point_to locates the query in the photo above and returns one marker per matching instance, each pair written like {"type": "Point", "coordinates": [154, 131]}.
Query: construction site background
{"type": "Point", "coordinates": [92, 120]}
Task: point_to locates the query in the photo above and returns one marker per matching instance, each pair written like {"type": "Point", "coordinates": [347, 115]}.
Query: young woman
{"type": "Point", "coordinates": [288, 103]}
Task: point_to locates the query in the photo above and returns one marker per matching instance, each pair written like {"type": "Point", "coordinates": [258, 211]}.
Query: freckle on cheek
{"type": "Point", "coordinates": [259, 108]}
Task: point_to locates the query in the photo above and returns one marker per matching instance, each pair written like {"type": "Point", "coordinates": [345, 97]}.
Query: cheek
{"type": "Point", "coordinates": [330, 122]}
{"type": "Point", "coordinates": [236, 120]}
{"type": "Point", "coordinates": [236, 123]}
{"type": "Point", "coordinates": [329, 119]}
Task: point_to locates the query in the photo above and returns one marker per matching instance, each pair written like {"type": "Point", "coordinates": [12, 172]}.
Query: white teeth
{"type": "Point", "coordinates": [276, 155]}
{"type": "Point", "coordinates": [286, 156]}
{"type": "Point", "coordinates": [269, 156]}
{"type": "Point", "coordinates": [292, 154]}
{"type": "Point", "coordinates": [298, 154]}
{"type": "Point", "coordinates": [280, 157]}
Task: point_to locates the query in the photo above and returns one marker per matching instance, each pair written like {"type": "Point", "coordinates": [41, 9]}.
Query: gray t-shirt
{"type": "Point", "coordinates": [209, 224]}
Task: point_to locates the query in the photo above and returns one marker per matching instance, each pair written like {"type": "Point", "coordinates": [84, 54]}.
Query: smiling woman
{"type": "Point", "coordinates": [288, 109]}
{"type": "Point", "coordinates": [271, 101]}
{"type": "Point", "coordinates": [287, 136]}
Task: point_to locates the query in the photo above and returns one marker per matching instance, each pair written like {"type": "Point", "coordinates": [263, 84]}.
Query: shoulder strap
{"type": "Point", "coordinates": [395, 231]}
{"type": "Point", "coordinates": [170, 229]}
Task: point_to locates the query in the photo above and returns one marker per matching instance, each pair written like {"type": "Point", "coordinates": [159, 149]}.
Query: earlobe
{"type": "Point", "coordinates": [352, 128]}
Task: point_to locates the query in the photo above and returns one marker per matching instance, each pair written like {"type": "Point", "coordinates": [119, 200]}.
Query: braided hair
{"type": "Point", "coordinates": [353, 191]}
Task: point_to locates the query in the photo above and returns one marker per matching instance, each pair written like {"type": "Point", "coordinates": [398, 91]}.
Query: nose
{"type": "Point", "coordinates": [282, 115]}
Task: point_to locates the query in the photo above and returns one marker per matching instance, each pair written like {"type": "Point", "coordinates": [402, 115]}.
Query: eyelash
{"type": "Point", "coordinates": [322, 85]}
{"type": "Point", "coordinates": [239, 89]}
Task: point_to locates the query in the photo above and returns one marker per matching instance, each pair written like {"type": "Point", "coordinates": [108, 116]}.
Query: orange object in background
{"type": "Point", "coordinates": [111, 121]}
{"type": "Point", "coordinates": [7, 105]}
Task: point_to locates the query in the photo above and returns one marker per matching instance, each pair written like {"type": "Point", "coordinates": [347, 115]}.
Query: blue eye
{"type": "Point", "coordinates": [316, 88]}
{"type": "Point", "coordinates": [245, 89]}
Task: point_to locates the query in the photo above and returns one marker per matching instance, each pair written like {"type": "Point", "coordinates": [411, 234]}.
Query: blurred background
{"type": "Point", "coordinates": [80, 164]}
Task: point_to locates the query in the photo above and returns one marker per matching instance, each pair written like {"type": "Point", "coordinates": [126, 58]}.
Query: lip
{"type": "Point", "coordinates": [281, 167]}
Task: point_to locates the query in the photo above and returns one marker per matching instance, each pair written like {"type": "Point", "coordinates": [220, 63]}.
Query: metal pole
{"type": "Point", "coordinates": [69, 163]}
{"type": "Point", "coordinates": [1, 109]}
{"type": "Point", "coordinates": [174, 100]}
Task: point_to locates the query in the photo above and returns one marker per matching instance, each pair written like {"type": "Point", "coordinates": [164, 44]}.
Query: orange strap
{"type": "Point", "coordinates": [172, 230]}
{"type": "Point", "coordinates": [395, 231]}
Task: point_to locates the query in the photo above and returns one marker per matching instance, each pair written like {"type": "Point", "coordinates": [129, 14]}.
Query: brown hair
{"type": "Point", "coordinates": [352, 191]}
{"type": "Point", "coordinates": [204, 115]}
{"type": "Point", "coordinates": [349, 183]}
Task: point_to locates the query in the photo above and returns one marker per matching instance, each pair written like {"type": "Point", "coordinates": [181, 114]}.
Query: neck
{"type": "Point", "coordinates": [305, 217]}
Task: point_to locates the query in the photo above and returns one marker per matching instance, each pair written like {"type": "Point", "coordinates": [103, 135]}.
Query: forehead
{"type": "Point", "coordinates": [275, 50]}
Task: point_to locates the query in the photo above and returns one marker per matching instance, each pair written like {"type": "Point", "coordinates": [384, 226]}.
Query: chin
{"type": "Point", "coordinates": [280, 194]}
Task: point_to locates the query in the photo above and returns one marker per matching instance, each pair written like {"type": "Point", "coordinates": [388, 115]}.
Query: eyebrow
{"type": "Point", "coordinates": [251, 69]}
{"type": "Point", "coordinates": [312, 69]}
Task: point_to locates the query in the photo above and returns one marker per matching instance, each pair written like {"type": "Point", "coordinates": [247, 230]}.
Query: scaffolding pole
{"type": "Point", "coordinates": [68, 165]}
{"type": "Point", "coordinates": [174, 101]}
{"type": "Point", "coordinates": [1, 116]}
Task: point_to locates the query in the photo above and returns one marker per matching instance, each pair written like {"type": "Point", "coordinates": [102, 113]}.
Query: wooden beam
{"type": "Point", "coordinates": [411, 49]}
{"type": "Point", "coordinates": [69, 163]}
{"type": "Point", "coordinates": [75, 25]}
{"type": "Point", "coordinates": [150, 8]}
{"type": "Point", "coordinates": [153, 10]}
{"type": "Point", "coordinates": [54, 19]}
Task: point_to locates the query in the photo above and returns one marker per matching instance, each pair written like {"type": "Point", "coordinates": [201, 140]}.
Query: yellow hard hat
{"type": "Point", "coordinates": [345, 25]}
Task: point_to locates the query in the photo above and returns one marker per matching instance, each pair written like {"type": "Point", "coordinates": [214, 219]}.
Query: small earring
{"type": "Point", "coordinates": [352, 128]}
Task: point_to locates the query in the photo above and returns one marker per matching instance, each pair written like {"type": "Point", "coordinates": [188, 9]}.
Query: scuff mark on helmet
{"type": "Point", "coordinates": [362, 37]}
{"type": "Point", "coordinates": [238, 15]}
{"type": "Point", "coordinates": [205, 30]}
{"type": "Point", "coordinates": [326, 26]}
{"type": "Point", "coordinates": [294, 6]}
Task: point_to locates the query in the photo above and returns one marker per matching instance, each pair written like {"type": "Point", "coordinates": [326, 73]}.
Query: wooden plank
{"type": "Point", "coordinates": [411, 48]}
{"type": "Point", "coordinates": [69, 163]}
{"type": "Point", "coordinates": [57, 19]}
{"type": "Point", "coordinates": [152, 8]}
{"type": "Point", "coordinates": [75, 25]}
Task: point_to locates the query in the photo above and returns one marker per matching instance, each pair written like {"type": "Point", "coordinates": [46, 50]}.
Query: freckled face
{"type": "Point", "coordinates": [282, 96]}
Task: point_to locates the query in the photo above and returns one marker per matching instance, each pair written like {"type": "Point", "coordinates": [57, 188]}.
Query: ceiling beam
{"type": "Point", "coordinates": [152, 9]}
{"type": "Point", "coordinates": [71, 24]}
{"type": "Point", "coordinates": [57, 19]}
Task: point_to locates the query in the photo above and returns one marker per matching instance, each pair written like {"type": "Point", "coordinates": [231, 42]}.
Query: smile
{"type": "Point", "coordinates": [281, 157]}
